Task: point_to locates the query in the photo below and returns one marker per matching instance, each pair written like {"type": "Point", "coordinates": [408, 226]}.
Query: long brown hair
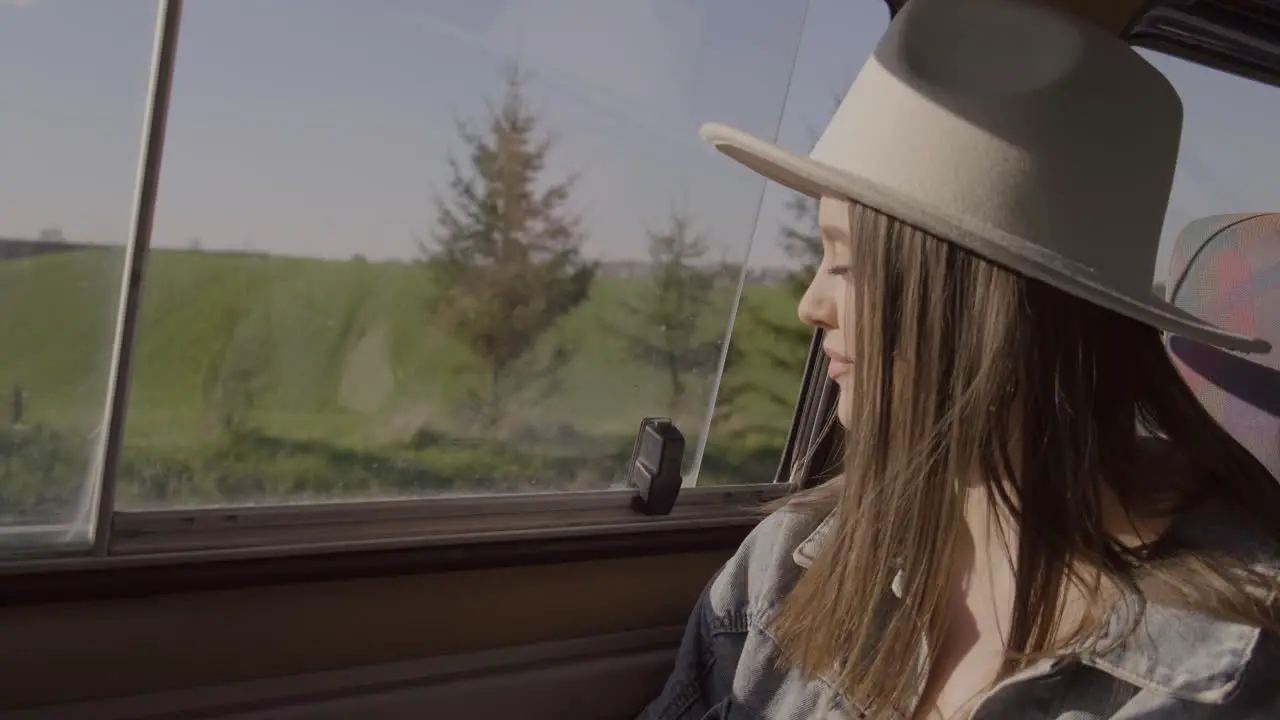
{"type": "Point", "coordinates": [962, 369]}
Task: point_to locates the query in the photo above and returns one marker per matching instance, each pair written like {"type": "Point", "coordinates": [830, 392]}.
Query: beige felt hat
{"type": "Point", "coordinates": [1018, 132]}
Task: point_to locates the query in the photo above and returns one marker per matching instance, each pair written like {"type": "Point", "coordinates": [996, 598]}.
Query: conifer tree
{"type": "Point", "coordinates": [762, 344]}
{"type": "Point", "coordinates": [672, 331]}
{"type": "Point", "coordinates": [506, 252]}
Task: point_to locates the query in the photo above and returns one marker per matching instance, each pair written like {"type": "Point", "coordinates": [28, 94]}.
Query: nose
{"type": "Point", "coordinates": [818, 307]}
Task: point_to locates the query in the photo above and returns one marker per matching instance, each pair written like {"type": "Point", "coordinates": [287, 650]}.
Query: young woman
{"type": "Point", "coordinates": [1037, 519]}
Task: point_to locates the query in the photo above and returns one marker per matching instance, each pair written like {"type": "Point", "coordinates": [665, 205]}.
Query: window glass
{"type": "Point", "coordinates": [769, 345]}
{"type": "Point", "coordinates": [73, 87]}
{"type": "Point", "coordinates": [454, 247]}
{"type": "Point", "coordinates": [1229, 154]}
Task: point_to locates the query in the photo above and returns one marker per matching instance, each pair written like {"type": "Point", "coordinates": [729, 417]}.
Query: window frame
{"type": "Point", "coordinates": [90, 535]}
{"type": "Point", "coordinates": [132, 552]}
{"type": "Point", "coordinates": [1208, 34]}
{"type": "Point", "coordinates": [155, 122]}
{"type": "Point", "coordinates": [709, 519]}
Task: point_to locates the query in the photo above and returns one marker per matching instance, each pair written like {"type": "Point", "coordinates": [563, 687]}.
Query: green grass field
{"type": "Point", "coordinates": [345, 369]}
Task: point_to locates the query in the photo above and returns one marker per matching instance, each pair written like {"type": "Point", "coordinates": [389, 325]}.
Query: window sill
{"type": "Point", "coordinates": [156, 552]}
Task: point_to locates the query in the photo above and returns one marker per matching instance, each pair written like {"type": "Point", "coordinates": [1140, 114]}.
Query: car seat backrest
{"type": "Point", "coordinates": [1226, 269]}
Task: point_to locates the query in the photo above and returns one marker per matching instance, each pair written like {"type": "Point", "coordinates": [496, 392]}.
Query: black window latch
{"type": "Point", "coordinates": [654, 471]}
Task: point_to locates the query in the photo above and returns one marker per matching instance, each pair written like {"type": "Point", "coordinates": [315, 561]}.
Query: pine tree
{"type": "Point", "coordinates": [763, 345]}
{"type": "Point", "coordinates": [506, 256]}
{"type": "Point", "coordinates": [802, 243]}
{"type": "Point", "coordinates": [674, 336]}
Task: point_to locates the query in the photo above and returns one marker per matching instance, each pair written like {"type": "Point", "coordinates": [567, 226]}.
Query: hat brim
{"type": "Point", "coordinates": [817, 179]}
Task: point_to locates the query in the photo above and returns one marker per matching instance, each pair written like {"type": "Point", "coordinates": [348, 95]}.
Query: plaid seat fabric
{"type": "Point", "coordinates": [1226, 269]}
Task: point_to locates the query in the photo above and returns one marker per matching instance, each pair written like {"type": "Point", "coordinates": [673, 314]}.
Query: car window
{"type": "Point", "coordinates": [73, 84]}
{"type": "Point", "coordinates": [1229, 154]}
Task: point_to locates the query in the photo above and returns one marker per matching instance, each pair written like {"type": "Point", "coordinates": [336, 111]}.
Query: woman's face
{"type": "Point", "coordinates": [825, 302]}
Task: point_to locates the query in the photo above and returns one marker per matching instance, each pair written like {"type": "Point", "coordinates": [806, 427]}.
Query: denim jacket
{"type": "Point", "coordinates": [1177, 665]}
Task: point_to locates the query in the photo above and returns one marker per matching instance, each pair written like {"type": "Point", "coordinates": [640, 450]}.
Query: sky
{"type": "Point", "coordinates": [322, 127]}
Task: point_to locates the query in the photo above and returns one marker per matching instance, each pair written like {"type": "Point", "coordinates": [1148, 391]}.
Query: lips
{"type": "Point", "coordinates": [837, 364]}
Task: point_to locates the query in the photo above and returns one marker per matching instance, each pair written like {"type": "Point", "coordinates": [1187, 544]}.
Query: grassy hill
{"type": "Point", "coordinates": [335, 356]}
{"type": "Point", "coordinates": [56, 321]}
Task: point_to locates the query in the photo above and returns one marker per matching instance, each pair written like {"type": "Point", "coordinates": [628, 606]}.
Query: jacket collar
{"type": "Point", "coordinates": [1184, 654]}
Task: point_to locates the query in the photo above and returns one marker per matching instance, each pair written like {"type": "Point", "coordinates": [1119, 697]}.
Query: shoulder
{"type": "Point", "coordinates": [1207, 654]}
{"type": "Point", "coordinates": [728, 661]}
{"type": "Point", "coordinates": [1240, 683]}
{"type": "Point", "coordinates": [766, 564]}
{"type": "Point", "coordinates": [1258, 693]}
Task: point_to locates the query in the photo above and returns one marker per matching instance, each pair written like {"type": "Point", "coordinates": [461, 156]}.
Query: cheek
{"type": "Point", "coordinates": [846, 307]}
{"type": "Point", "coordinates": [844, 304]}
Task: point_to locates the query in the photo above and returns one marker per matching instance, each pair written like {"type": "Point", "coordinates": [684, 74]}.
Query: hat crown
{"type": "Point", "coordinates": [1019, 118]}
